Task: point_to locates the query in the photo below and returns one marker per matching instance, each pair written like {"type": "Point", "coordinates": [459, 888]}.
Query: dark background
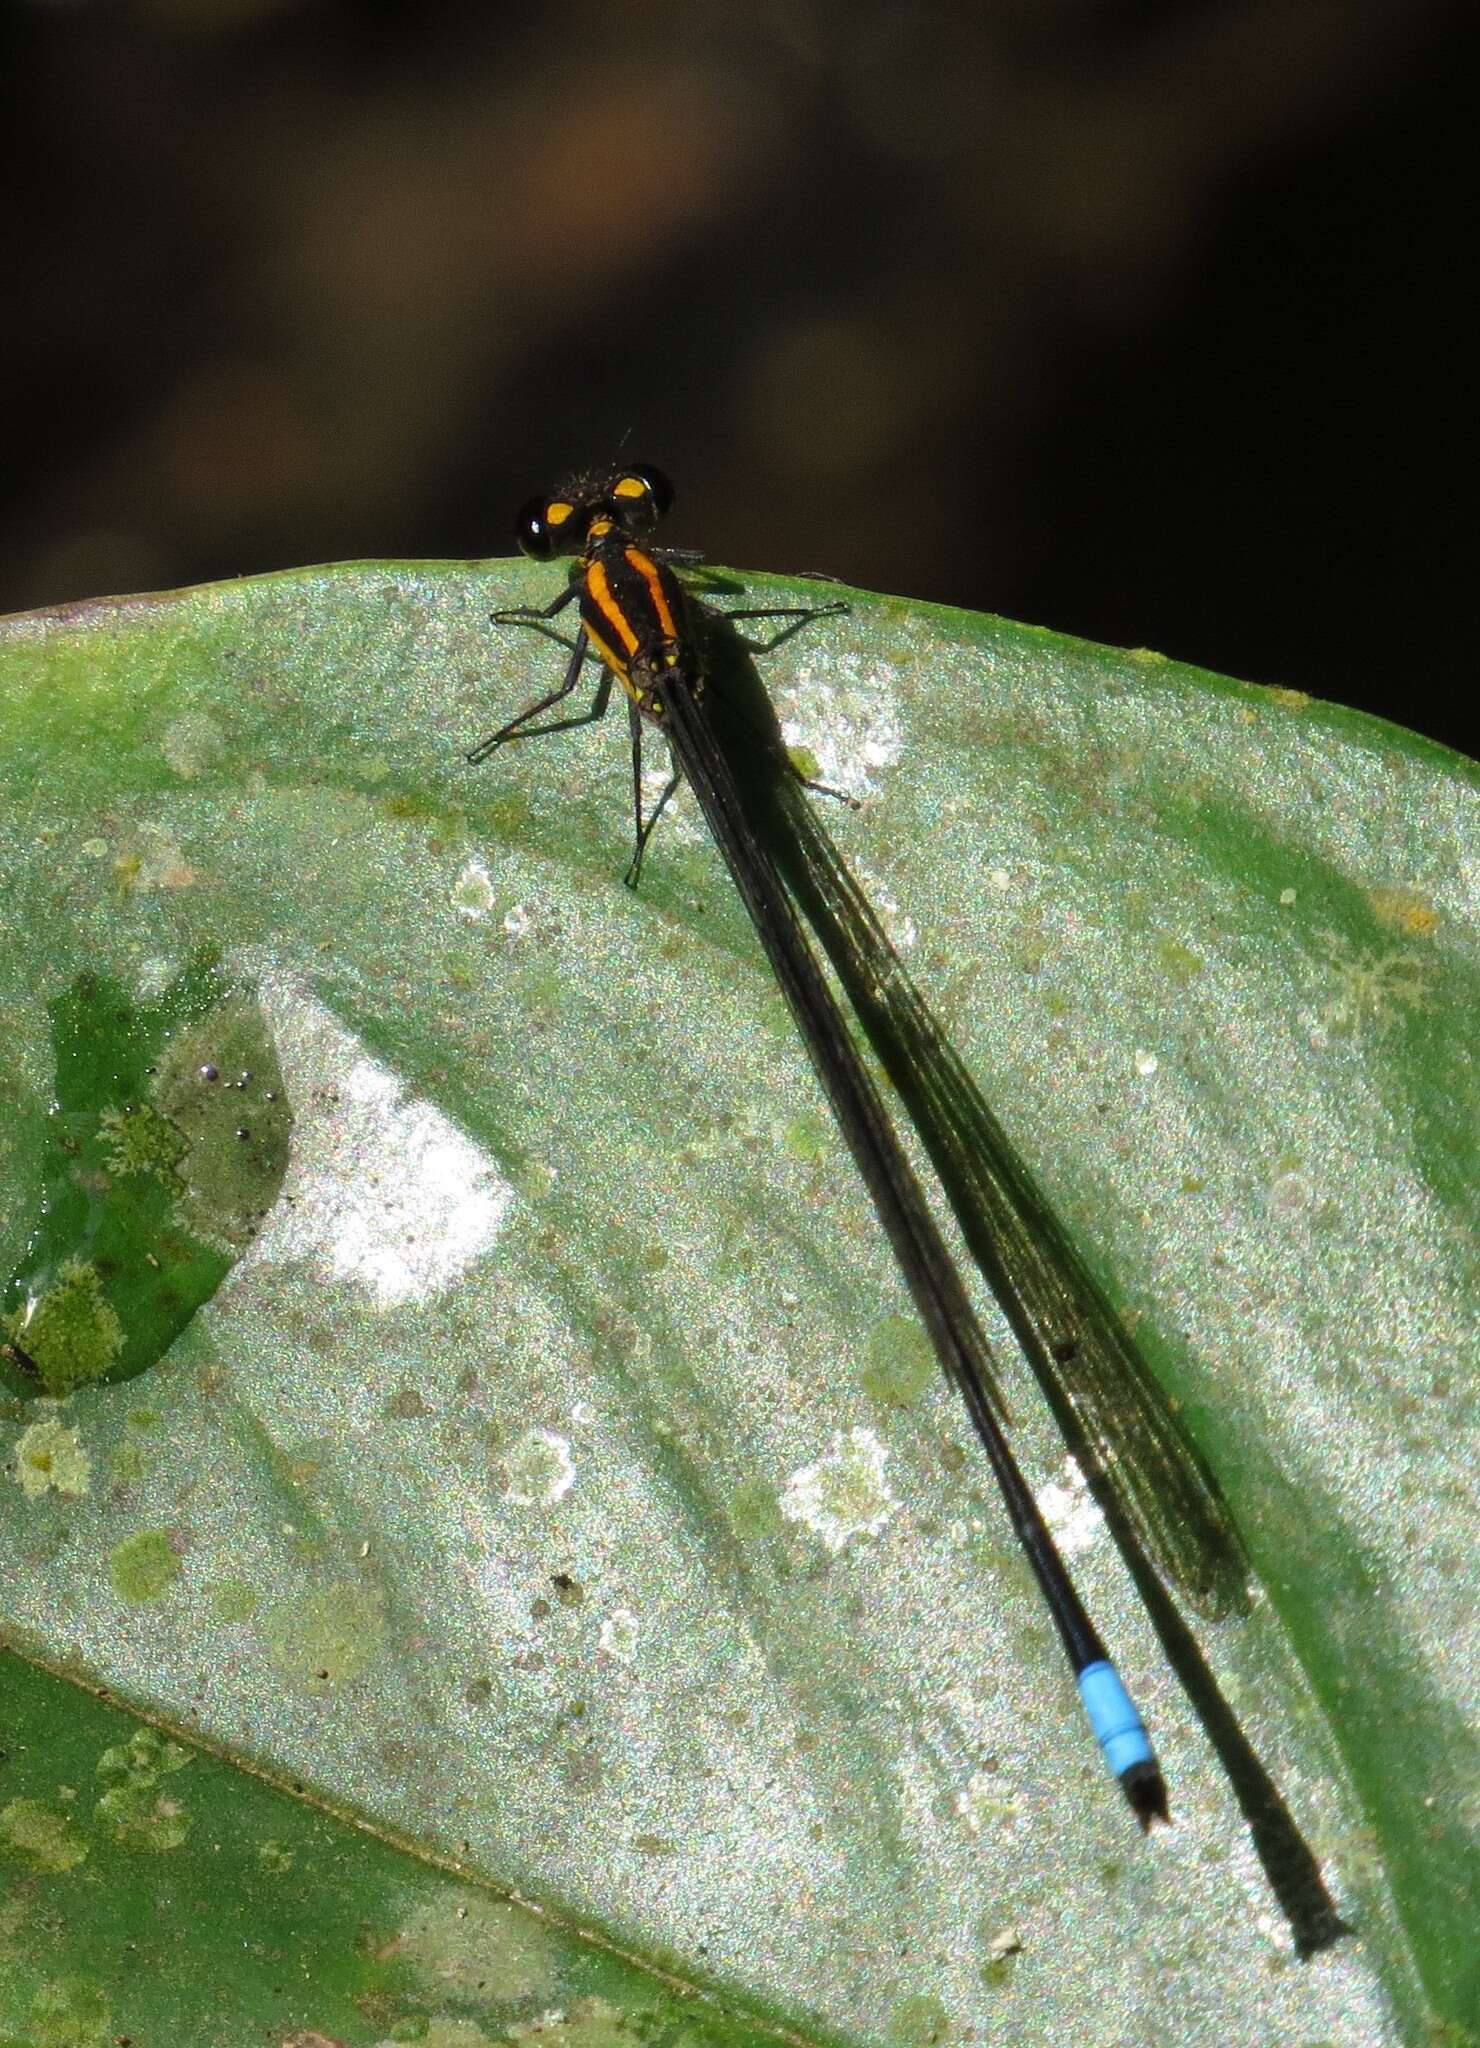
{"type": "Point", "coordinates": [1151, 322]}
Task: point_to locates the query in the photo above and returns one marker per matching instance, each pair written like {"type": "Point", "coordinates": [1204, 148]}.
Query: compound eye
{"type": "Point", "coordinates": [641, 494]}
{"type": "Point", "coordinates": [550, 526]}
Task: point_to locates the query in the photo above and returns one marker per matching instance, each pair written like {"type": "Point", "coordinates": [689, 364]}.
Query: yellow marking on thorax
{"type": "Point", "coordinates": [613, 661]}
{"type": "Point", "coordinates": [617, 663]}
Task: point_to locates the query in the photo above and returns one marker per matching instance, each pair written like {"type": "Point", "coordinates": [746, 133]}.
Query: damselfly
{"type": "Point", "coordinates": [648, 634]}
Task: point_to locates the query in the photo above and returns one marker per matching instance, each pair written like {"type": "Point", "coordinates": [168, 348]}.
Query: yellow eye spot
{"type": "Point", "coordinates": [629, 487]}
{"type": "Point", "coordinates": [557, 512]}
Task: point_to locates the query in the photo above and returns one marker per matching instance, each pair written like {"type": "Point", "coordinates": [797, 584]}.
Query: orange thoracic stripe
{"type": "Point", "coordinates": [648, 570]}
{"type": "Point", "coordinates": [600, 592]}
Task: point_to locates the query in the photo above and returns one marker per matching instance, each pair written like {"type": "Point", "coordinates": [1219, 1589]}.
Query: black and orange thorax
{"type": "Point", "coordinates": [636, 617]}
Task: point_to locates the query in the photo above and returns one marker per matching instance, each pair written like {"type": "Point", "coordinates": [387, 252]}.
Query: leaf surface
{"type": "Point", "coordinates": [510, 1348]}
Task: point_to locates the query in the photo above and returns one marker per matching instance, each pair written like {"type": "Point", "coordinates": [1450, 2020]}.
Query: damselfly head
{"type": "Point", "coordinates": [634, 498]}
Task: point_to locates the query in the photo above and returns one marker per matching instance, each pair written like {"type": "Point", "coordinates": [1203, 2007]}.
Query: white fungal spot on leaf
{"type": "Point", "coordinates": [845, 1493]}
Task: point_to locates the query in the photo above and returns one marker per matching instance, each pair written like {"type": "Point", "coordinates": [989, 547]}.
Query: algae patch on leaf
{"type": "Point", "coordinates": [165, 1146]}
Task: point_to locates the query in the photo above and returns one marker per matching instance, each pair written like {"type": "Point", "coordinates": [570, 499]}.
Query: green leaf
{"type": "Point", "coordinates": [157, 1893]}
{"type": "Point", "coordinates": [456, 1280]}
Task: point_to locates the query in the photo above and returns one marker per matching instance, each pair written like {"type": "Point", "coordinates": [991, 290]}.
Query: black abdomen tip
{"type": "Point", "coordinates": [1145, 1788]}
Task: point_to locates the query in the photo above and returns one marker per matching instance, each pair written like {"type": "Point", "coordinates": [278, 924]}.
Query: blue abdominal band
{"type": "Point", "coordinates": [1118, 1727]}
